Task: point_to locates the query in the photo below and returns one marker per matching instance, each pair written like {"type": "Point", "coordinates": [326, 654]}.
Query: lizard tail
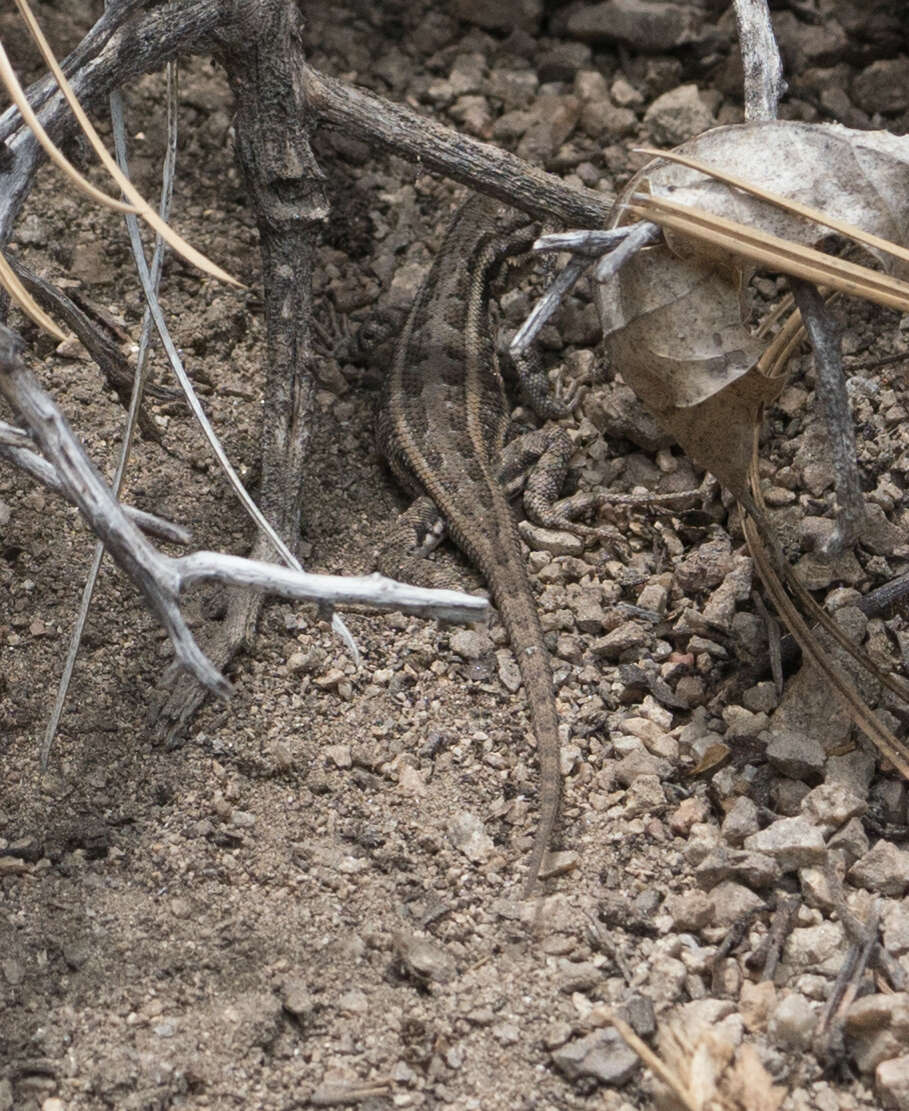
{"type": "Point", "coordinates": [522, 623]}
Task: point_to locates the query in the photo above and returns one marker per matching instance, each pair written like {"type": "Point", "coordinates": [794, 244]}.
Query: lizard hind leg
{"type": "Point", "coordinates": [418, 531]}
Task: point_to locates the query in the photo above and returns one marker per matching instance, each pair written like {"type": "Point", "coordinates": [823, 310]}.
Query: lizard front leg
{"type": "Point", "coordinates": [537, 463]}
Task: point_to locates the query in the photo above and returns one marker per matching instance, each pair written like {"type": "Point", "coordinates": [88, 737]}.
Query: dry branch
{"type": "Point", "coordinates": [12, 449]}
{"type": "Point", "coordinates": [483, 167]}
{"type": "Point", "coordinates": [161, 578]}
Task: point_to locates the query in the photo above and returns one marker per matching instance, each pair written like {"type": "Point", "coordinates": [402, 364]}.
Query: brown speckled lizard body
{"type": "Point", "coordinates": [443, 430]}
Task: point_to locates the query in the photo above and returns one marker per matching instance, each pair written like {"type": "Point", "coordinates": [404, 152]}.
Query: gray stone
{"type": "Point", "coordinates": [803, 45]}
{"type": "Point", "coordinates": [646, 25]}
{"type": "Point", "coordinates": [883, 869]}
{"type": "Point", "coordinates": [880, 535]}
{"type": "Point", "coordinates": [878, 1028]}
{"type": "Point", "coordinates": [254, 1019]}
{"type": "Point", "coordinates": [680, 114]}
{"type": "Point", "coordinates": [792, 842]}
{"type": "Point", "coordinates": [818, 948]}
{"type": "Point", "coordinates": [815, 888]}
{"type": "Point", "coordinates": [705, 567]}
{"type": "Point", "coordinates": [625, 94]}
{"type": "Point", "coordinates": [552, 120]}
{"type": "Point", "coordinates": [883, 86]}
{"type": "Point", "coordinates": [630, 636]}
{"type": "Point", "coordinates": [76, 952]}
{"type": "Point", "coordinates": [761, 698]}
{"type": "Point", "coordinates": [645, 796]}
{"type": "Point", "coordinates": [719, 609]}
{"type": "Point", "coordinates": [572, 976]}
{"type": "Point", "coordinates": [889, 798]}
{"type": "Point", "coordinates": [509, 672]}
{"type": "Point", "coordinates": [296, 997]}
{"type": "Point", "coordinates": [423, 959]}
{"type": "Point", "coordinates": [703, 837]}
{"type": "Point", "coordinates": [602, 119]}
{"type": "Point", "coordinates": [796, 754]}
{"type": "Point", "coordinates": [638, 763]}
{"type": "Point", "coordinates": [786, 795]}
{"type": "Point", "coordinates": [741, 821]}
{"type": "Point", "coordinates": [817, 572]}
{"type": "Point", "coordinates": [306, 662]}
{"type": "Point", "coordinates": [470, 644]}
{"type": "Point", "coordinates": [689, 910]}
{"type": "Point", "coordinates": [588, 613]}
{"type": "Point", "coordinates": [895, 927]}
{"type": "Point", "coordinates": [516, 88]}
{"type": "Point", "coordinates": [831, 805]}
{"type": "Point", "coordinates": [13, 971]}
{"type": "Point", "coordinates": [468, 834]}
{"type": "Point", "coordinates": [852, 841]}
{"type": "Point", "coordinates": [616, 411]}
{"type": "Point", "coordinates": [523, 14]}
{"type": "Point", "coordinates": [792, 1022]}
{"type": "Point", "coordinates": [562, 61]}
{"type": "Point", "coordinates": [601, 1055]}
{"type": "Point", "coordinates": [731, 902]}
{"type": "Point", "coordinates": [751, 868]}
{"type": "Point", "coordinates": [855, 770]}
{"type": "Point", "coordinates": [554, 541]}
{"type": "Point", "coordinates": [891, 1082]}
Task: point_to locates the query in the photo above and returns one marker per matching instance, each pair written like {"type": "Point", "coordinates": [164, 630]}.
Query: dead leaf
{"type": "Point", "coordinates": [674, 319]}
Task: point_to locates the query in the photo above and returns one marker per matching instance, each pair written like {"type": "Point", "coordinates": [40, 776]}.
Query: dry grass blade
{"type": "Point", "coordinates": [773, 252]}
{"type": "Point", "coordinates": [657, 1066]}
{"type": "Point", "coordinates": [17, 95]}
{"type": "Point", "coordinates": [887, 744]}
{"type": "Point", "coordinates": [25, 301]}
{"type": "Point", "coordinates": [815, 214]}
{"type": "Point", "coordinates": [772, 364]}
{"type": "Point", "coordinates": [167, 185]}
{"type": "Point", "coordinates": [141, 206]}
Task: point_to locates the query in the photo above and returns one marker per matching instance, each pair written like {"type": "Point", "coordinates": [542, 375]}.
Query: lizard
{"type": "Point", "coordinates": [442, 428]}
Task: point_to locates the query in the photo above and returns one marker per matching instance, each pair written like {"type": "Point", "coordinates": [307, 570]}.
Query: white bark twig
{"type": "Point", "coordinates": [837, 414]}
{"type": "Point", "coordinates": [764, 83]}
{"type": "Point", "coordinates": [162, 578]}
{"type": "Point", "coordinates": [135, 403]}
{"type": "Point", "coordinates": [37, 467]}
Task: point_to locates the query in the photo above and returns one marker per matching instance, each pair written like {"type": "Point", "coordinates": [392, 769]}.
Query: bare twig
{"type": "Point", "coordinates": [638, 236]}
{"type": "Point", "coordinates": [115, 14]}
{"type": "Point", "coordinates": [834, 402]}
{"type": "Point", "coordinates": [161, 578]}
{"type": "Point", "coordinates": [135, 403]}
{"type": "Point", "coordinates": [764, 84]}
{"type": "Point", "coordinates": [613, 247]}
{"type": "Point", "coordinates": [38, 468]}
{"type": "Point", "coordinates": [766, 957]}
{"type": "Point", "coordinates": [858, 932]}
{"type": "Point", "coordinates": [110, 360]}
{"type": "Point", "coordinates": [482, 166]}
{"type": "Point", "coordinates": [828, 1035]}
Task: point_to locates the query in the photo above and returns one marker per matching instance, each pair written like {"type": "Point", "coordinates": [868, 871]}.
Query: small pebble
{"type": "Point", "coordinates": [884, 870]}
{"type": "Point", "coordinates": [792, 842]}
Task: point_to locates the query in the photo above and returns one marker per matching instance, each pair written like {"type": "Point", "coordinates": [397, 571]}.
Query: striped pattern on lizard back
{"type": "Point", "coordinates": [442, 429]}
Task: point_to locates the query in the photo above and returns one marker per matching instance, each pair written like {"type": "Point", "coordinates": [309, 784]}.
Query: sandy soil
{"type": "Point", "coordinates": [316, 897]}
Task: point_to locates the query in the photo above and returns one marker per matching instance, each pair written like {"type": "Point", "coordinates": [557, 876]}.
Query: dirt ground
{"type": "Point", "coordinates": [316, 897]}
